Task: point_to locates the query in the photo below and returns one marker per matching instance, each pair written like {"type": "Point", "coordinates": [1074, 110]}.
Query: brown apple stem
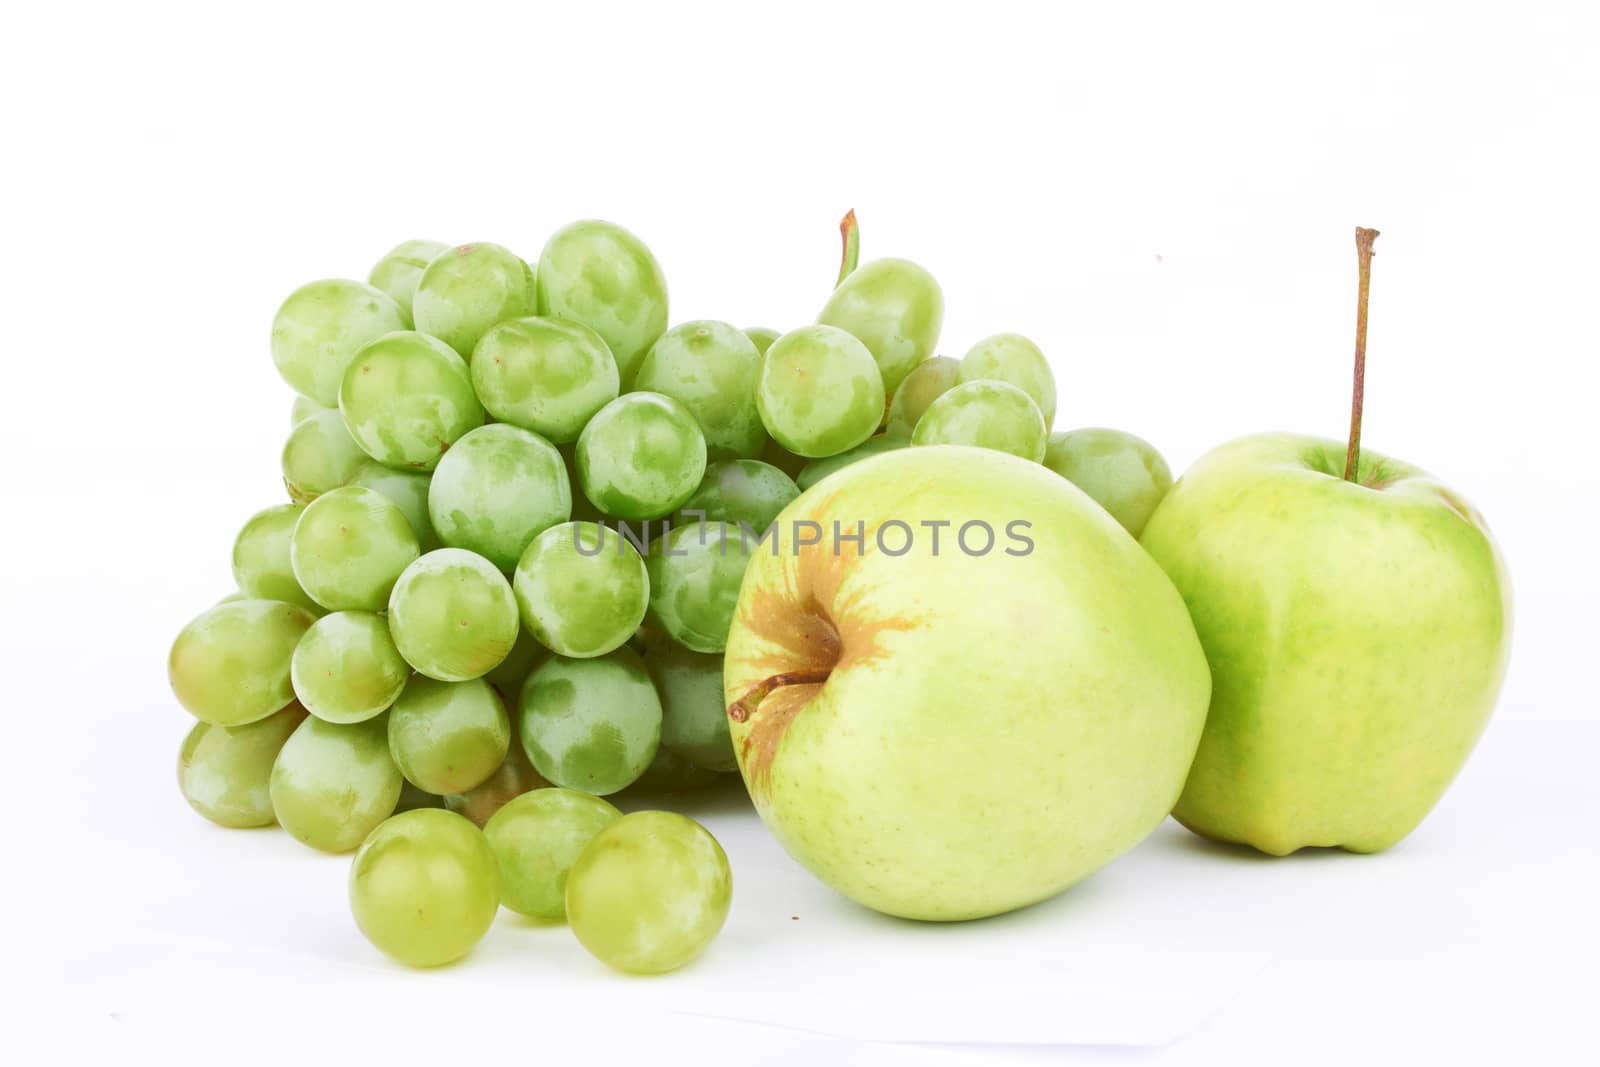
{"type": "Point", "coordinates": [741, 709]}
{"type": "Point", "coordinates": [850, 234]}
{"type": "Point", "coordinates": [1352, 456]}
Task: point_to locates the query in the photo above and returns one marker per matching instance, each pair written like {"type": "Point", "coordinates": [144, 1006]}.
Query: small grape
{"type": "Point", "coordinates": [406, 398]}
{"type": "Point", "coordinates": [514, 777]}
{"type": "Point", "coordinates": [927, 382]}
{"type": "Point", "coordinates": [591, 724]}
{"type": "Point", "coordinates": [334, 783]}
{"type": "Point", "coordinates": [348, 548]}
{"type": "Point", "coordinates": [1122, 473]}
{"type": "Point", "coordinates": [582, 589]}
{"type": "Point", "coordinates": [1012, 358]}
{"type": "Point", "coordinates": [694, 716]}
{"type": "Point", "coordinates": [738, 491]}
{"type": "Point", "coordinates": [895, 308]}
{"type": "Point", "coordinates": [819, 469]}
{"type": "Point", "coordinates": [448, 737]}
{"type": "Point", "coordinates": [641, 457]}
{"type": "Point", "coordinates": [230, 665]}
{"type": "Point", "coordinates": [820, 393]}
{"type": "Point", "coordinates": [408, 490]}
{"type": "Point", "coordinates": [985, 414]}
{"type": "Point", "coordinates": [496, 490]}
{"type": "Point", "coordinates": [223, 771]}
{"type": "Point", "coordinates": [762, 337]}
{"type": "Point", "coordinates": [545, 375]}
{"type": "Point", "coordinates": [694, 583]}
{"type": "Point", "coordinates": [346, 668]}
{"type": "Point", "coordinates": [261, 564]}
{"type": "Point", "coordinates": [452, 615]}
{"type": "Point", "coordinates": [398, 272]}
{"type": "Point", "coordinates": [321, 326]}
{"type": "Point", "coordinates": [712, 369]}
{"type": "Point", "coordinates": [601, 275]}
{"type": "Point", "coordinates": [464, 291]}
{"type": "Point", "coordinates": [302, 409]}
{"type": "Point", "coordinates": [536, 837]}
{"type": "Point", "coordinates": [320, 456]}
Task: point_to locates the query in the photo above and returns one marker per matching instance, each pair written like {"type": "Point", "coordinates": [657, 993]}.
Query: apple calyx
{"type": "Point", "coordinates": [741, 710]}
{"type": "Point", "coordinates": [850, 235]}
{"type": "Point", "coordinates": [1352, 456]}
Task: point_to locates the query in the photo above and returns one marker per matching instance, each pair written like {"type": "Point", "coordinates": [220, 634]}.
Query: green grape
{"type": "Point", "coordinates": [230, 665]}
{"type": "Point", "coordinates": [650, 892]}
{"type": "Point", "coordinates": [671, 773]}
{"type": "Point", "coordinates": [223, 771]}
{"type": "Point", "coordinates": [545, 375]}
{"type": "Point", "coordinates": [346, 668]}
{"type": "Point", "coordinates": [319, 329]}
{"type": "Point", "coordinates": [601, 275]}
{"type": "Point", "coordinates": [448, 737]}
{"type": "Point", "coordinates": [261, 564]}
{"type": "Point", "coordinates": [496, 490]}
{"type": "Point", "coordinates": [819, 469]}
{"type": "Point", "coordinates": [694, 583]}
{"type": "Point", "coordinates": [582, 589]}
{"type": "Point", "coordinates": [469, 288]}
{"type": "Point", "coordinates": [710, 368]}
{"type": "Point", "coordinates": [694, 716]}
{"type": "Point", "coordinates": [320, 456]}
{"type": "Point", "coordinates": [741, 491]}
{"type": "Point", "coordinates": [302, 409]}
{"type": "Point", "coordinates": [820, 392]}
{"type": "Point", "coordinates": [927, 382]}
{"type": "Point", "coordinates": [526, 654]}
{"type": "Point", "coordinates": [1012, 358]}
{"type": "Point", "coordinates": [409, 492]}
{"type": "Point", "coordinates": [514, 777]}
{"type": "Point", "coordinates": [349, 547]}
{"type": "Point", "coordinates": [423, 888]}
{"type": "Point", "coordinates": [414, 799]}
{"type": "Point", "coordinates": [536, 837]}
{"type": "Point", "coordinates": [334, 783]}
{"type": "Point", "coordinates": [398, 272]}
{"type": "Point", "coordinates": [895, 308]}
{"type": "Point", "coordinates": [641, 456]}
{"type": "Point", "coordinates": [762, 337]}
{"type": "Point", "coordinates": [591, 724]}
{"type": "Point", "coordinates": [406, 398]}
{"type": "Point", "coordinates": [1122, 473]}
{"type": "Point", "coordinates": [985, 414]}
{"type": "Point", "coordinates": [453, 616]}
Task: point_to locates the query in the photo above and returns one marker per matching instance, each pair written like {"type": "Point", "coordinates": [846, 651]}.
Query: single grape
{"type": "Point", "coordinates": [346, 668]}
{"type": "Point", "coordinates": [601, 275]}
{"type": "Point", "coordinates": [261, 564]}
{"type": "Point", "coordinates": [985, 415]}
{"type": "Point", "coordinates": [497, 490]}
{"type": "Point", "coordinates": [1122, 473]}
{"type": "Point", "coordinates": [740, 491]}
{"type": "Point", "coordinates": [514, 777]}
{"type": "Point", "coordinates": [641, 457]}
{"type": "Point", "coordinates": [927, 382]}
{"type": "Point", "coordinates": [453, 616]}
{"type": "Point", "coordinates": [591, 724]}
{"type": "Point", "coordinates": [409, 492]}
{"type": "Point", "coordinates": [321, 326]}
{"type": "Point", "coordinates": [230, 665]}
{"type": "Point", "coordinates": [820, 393]}
{"type": "Point", "coordinates": [302, 409]}
{"type": "Point", "coordinates": [819, 469]}
{"type": "Point", "coordinates": [526, 654]}
{"type": "Point", "coordinates": [407, 398]}
{"type": "Point", "coordinates": [694, 583]}
{"type": "Point", "coordinates": [582, 589]}
{"type": "Point", "coordinates": [762, 337]}
{"type": "Point", "coordinates": [223, 771]}
{"type": "Point", "coordinates": [448, 737]}
{"type": "Point", "coordinates": [398, 272]}
{"type": "Point", "coordinates": [545, 375]}
{"type": "Point", "coordinates": [712, 369]}
{"type": "Point", "coordinates": [671, 773]}
{"type": "Point", "coordinates": [694, 716]}
{"type": "Point", "coordinates": [320, 456]}
{"type": "Point", "coordinates": [349, 547]}
{"type": "Point", "coordinates": [650, 892]}
{"type": "Point", "coordinates": [414, 799]}
{"type": "Point", "coordinates": [424, 888]}
{"type": "Point", "coordinates": [1011, 357]}
{"type": "Point", "coordinates": [467, 289]}
{"type": "Point", "coordinates": [334, 783]}
{"type": "Point", "coordinates": [536, 837]}
{"type": "Point", "coordinates": [895, 308]}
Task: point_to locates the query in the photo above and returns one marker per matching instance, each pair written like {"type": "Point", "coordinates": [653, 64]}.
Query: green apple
{"type": "Point", "coordinates": [942, 726]}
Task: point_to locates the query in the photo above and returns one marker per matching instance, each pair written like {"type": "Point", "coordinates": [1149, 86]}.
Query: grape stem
{"type": "Point", "coordinates": [850, 234]}
{"type": "Point", "coordinates": [1352, 456]}
{"type": "Point", "coordinates": [741, 709]}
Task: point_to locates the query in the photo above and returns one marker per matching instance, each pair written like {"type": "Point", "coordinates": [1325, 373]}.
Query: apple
{"type": "Point", "coordinates": [1356, 615]}
{"type": "Point", "coordinates": [987, 695]}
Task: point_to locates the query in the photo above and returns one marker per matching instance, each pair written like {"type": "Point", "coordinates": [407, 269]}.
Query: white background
{"type": "Point", "coordinates": [1162, 197]}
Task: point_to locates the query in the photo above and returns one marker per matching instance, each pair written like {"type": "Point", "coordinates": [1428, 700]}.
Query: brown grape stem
{"type": "Point", "coordinates": [741, 709]}
{"type": "Point", "coordinates": [1352, 456]}
{"type": "Point", "coordinates": [850, 235]}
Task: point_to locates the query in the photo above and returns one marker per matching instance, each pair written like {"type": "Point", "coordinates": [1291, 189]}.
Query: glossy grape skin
{"type": "Point", "coordinates": [1011, 357]}
{"type": "Point", "coordinates": [448, 737]}
{"type": "Point", "coordinates": [1121, 472]}
{"type": "Point", "coordinates": [712, 369]}
{"type": "Point", "coordinates": [545, 375]}
{"type": "Point", "coordinates": [985, 414]}
{"type": "Point", "coordinates": [346, 668]}
{"type": "Point", "coordinates": [591, 724]}
{"type": "Point", "coordinates": [409, 492]}
{"type": "Point", "coordinates": [819, 393]}
{"type": "Point", "coordinates": [261, 566]}
{"type": "Point", "coordinates": [895, 308]}
{"type": "Point", "coordinates": [320, 456]}
{"type": "Point", "coordinates": [740, 491]}
{"type": "Point", "coordinates": [320, 327]}
{"type": "Point", "coordinates": [453, 616]}
{"type": "Point", "coordinates": [302, 409]}
{"type": "Point", "coordinates": [641, 456]}
{"type": "Point", "coordinates": [398, 272]}
{"type": "Point", "coordinates": [223, 771]}
{"type": "Point", "coordinates": [927, 382]}
{"type": "Point", "coordinates": [230, 665]}
{"type": "Point", "coordinates": [348, 548]}
{"type": "Point", "coordinates": [536, 837]}
{"type": "Point", "coordinates": [496, 490]}
{"type": "Point", "coordinates": [694, 583]}
{"type": "Point", "coordinates": [514, 777]}
{"type": "Point", "coordinates": [509, 674]}
{"type": "Point", "coordinates": [467, 289]}
{"type": "Point", "coordinates": [819, 469]}
{"type": "Point", "coordinates": [601, 275]}
{"type": "Point", "coordinates": [650, 892]}
{"type": "Point", "coordinates": [694, 716]}
{"type": "Point", "coordinates": [582, 589]}
{"type": "Point", "coordinates": [407, 398]}
{"type": "Point", "coordinates": [762, 337]}
{"type": "Point", "coordinates": [334, 783]}
{"type": "Point", "coordinates": [424, 888]}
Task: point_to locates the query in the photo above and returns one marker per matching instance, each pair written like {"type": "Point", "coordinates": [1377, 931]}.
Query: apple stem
{"type": "Point", "coordinates": [1352, 456]}
{"type": "Point", "coordinates": [850, 234]}
{"type": "Point", "coordinates": [741, 709]}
